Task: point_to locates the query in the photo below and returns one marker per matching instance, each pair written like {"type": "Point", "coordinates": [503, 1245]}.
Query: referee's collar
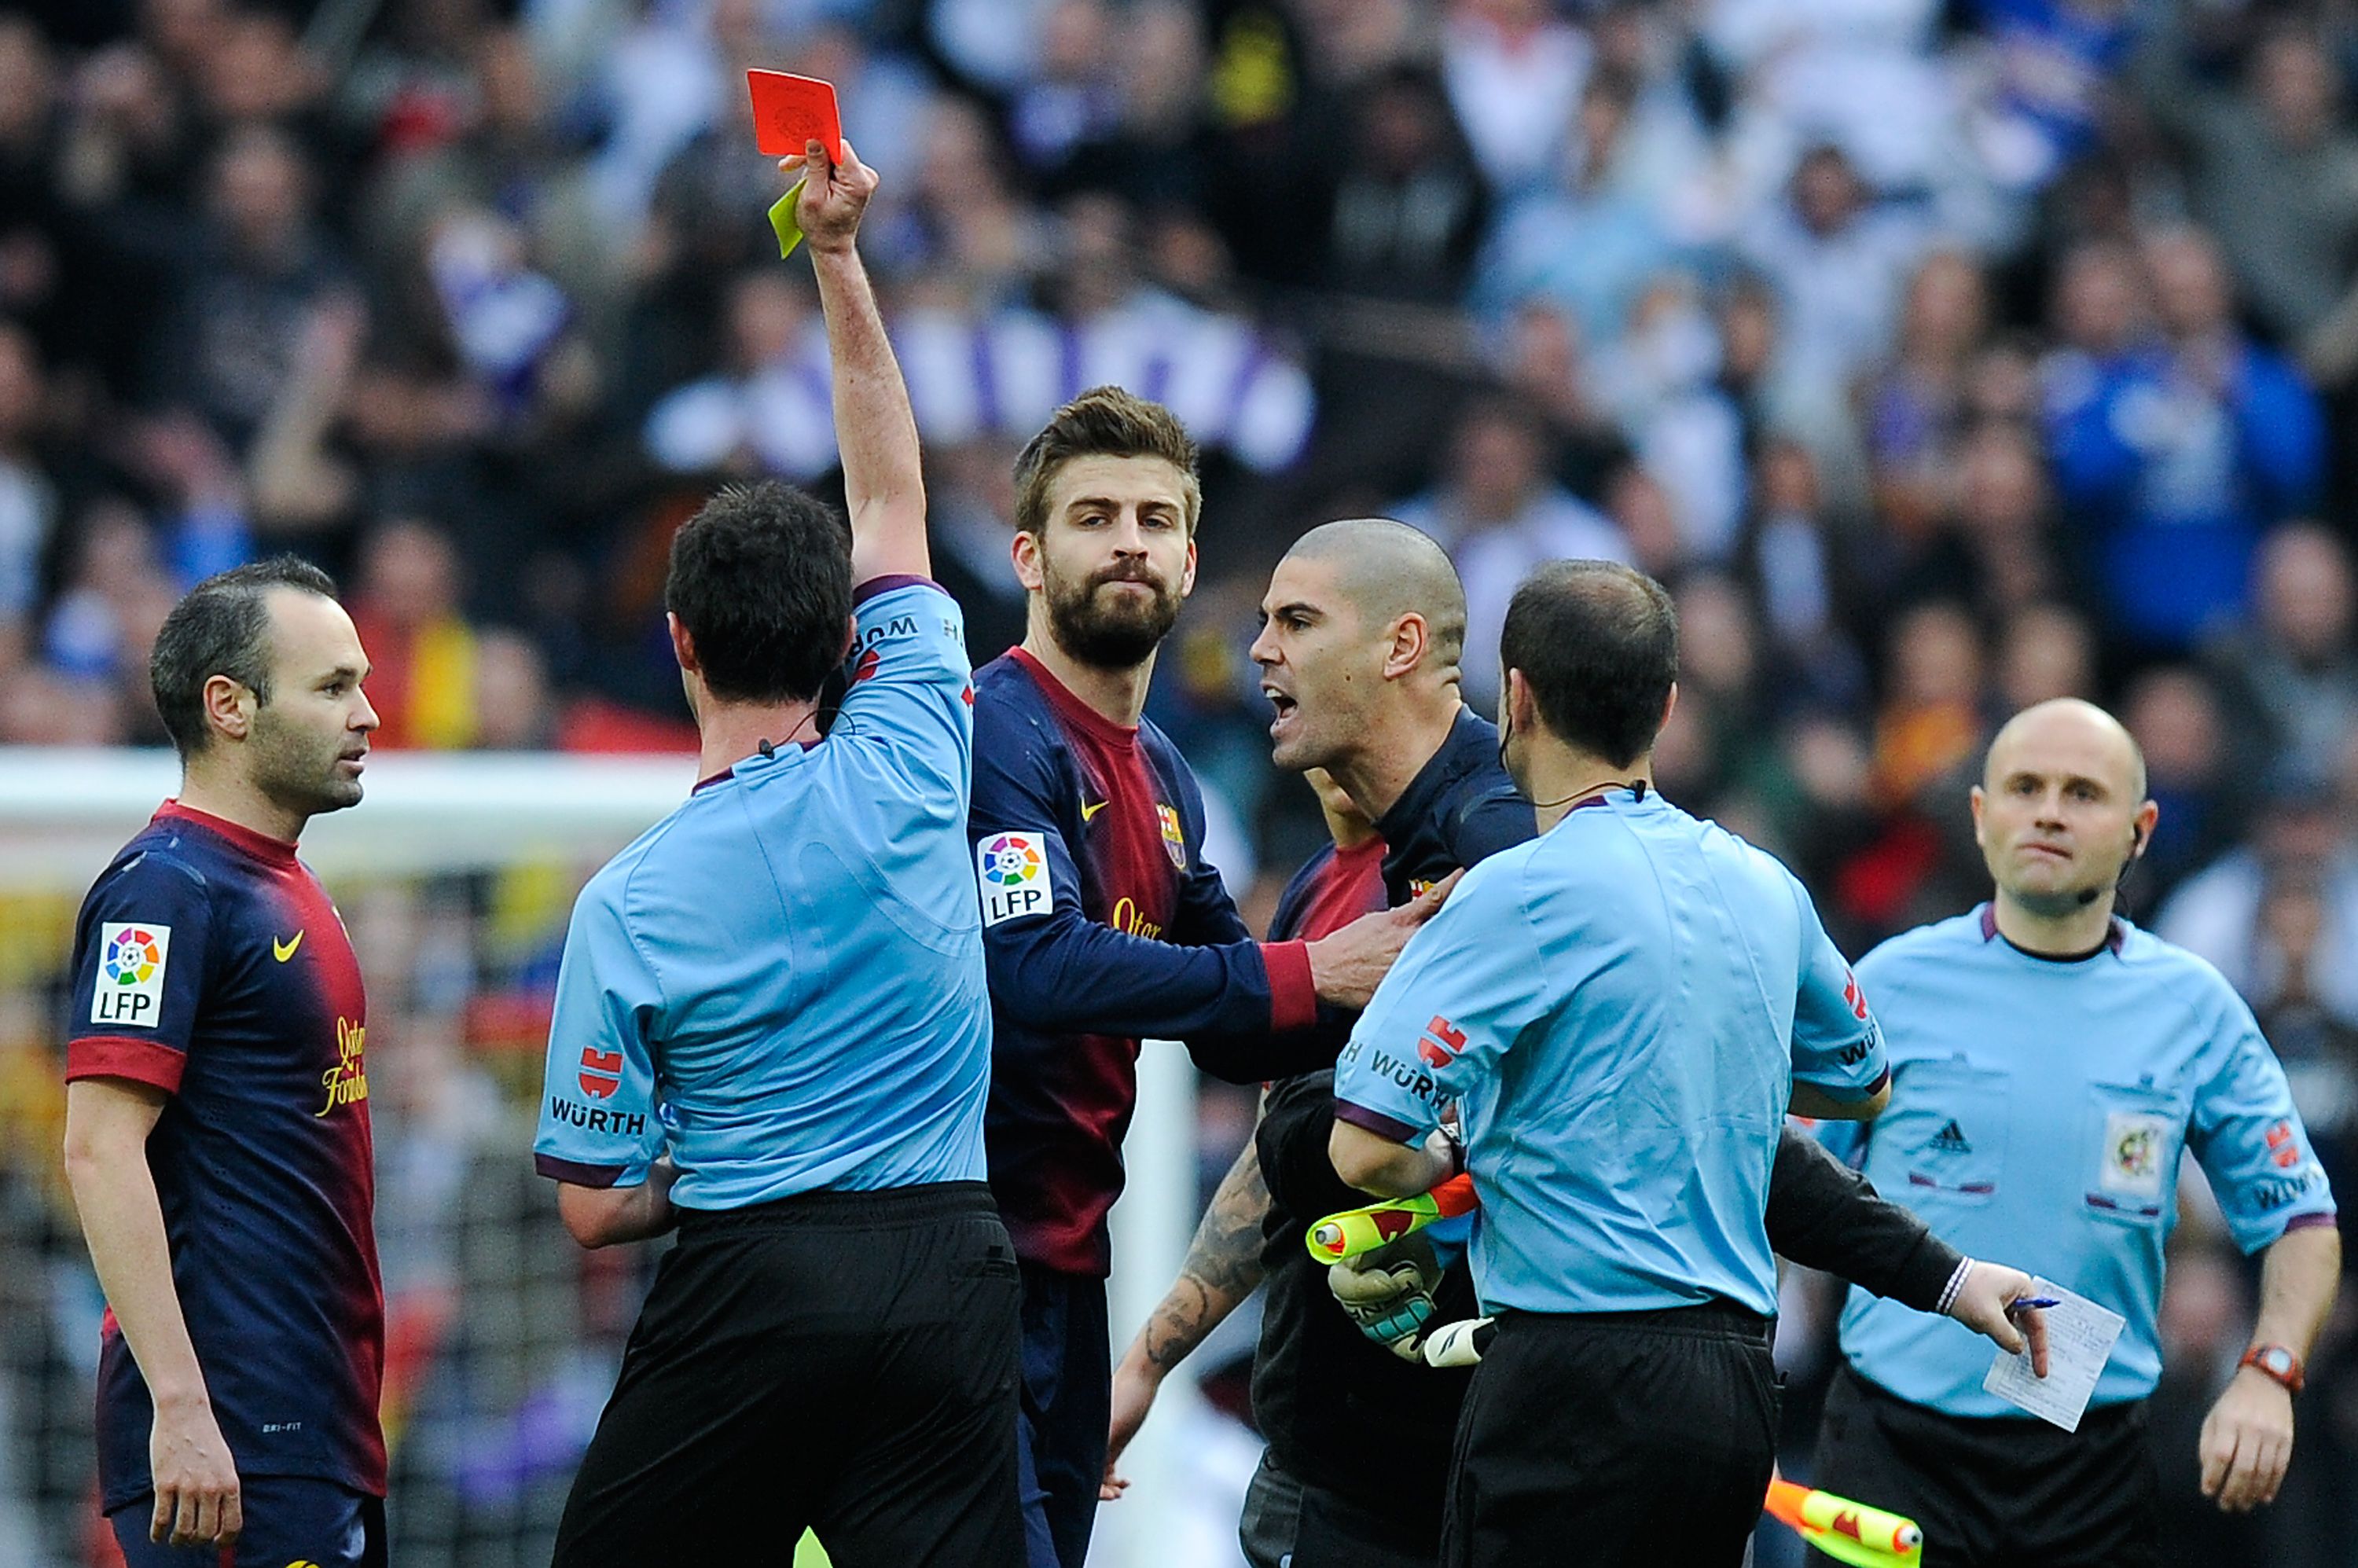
{"type": "Point", "coordinates": [2116, 932]}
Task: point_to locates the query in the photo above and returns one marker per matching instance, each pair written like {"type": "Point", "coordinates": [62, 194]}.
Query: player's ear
{"type": "Point", "coordinates": [1187, 577]}
{"type": "Point", "coordinates": [1412, 645]}
{"type": "Point", "coordinates": [228, 705]}
{"type": "Point", "coordinates": [683, 644]}
{"type": "Point", "coordinates": [1670, 706]}
{"type": "Point", "coordinates": [1024, 549]}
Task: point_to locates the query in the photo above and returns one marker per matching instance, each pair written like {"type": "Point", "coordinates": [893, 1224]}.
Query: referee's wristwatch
{"type": "Point", "coordinates": [2277, 1362]}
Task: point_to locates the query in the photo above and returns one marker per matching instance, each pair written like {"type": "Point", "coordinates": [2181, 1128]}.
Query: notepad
{"type": "Point", "coordinates": [2080, 1338]}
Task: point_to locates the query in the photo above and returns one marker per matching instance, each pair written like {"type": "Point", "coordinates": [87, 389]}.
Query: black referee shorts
{"type": "Point", "coordinates": [840, 1361]}
{"type": "Point", "coordinates": [2007, 1490]}
{"type": "Point", "coordinates": [1601, 1439]}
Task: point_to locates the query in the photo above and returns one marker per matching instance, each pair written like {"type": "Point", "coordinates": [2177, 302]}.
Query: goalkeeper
{"type": "Point", "coordinates": [1359, 654]}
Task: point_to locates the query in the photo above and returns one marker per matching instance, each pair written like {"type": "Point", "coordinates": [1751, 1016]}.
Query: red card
{"type": "Point", "coordinates": [789, 112]}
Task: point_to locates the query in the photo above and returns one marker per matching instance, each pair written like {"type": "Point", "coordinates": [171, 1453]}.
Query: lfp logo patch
{"type": "Point", "coordinates": [132, 958]}
{"type": "Point", "coordinates": [1014, 873]}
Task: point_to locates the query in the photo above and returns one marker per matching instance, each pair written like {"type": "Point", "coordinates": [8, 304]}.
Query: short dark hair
{"type": "Point", "coordinates": [1599, 644]}
{"type": "Point", "coordinates": [761, 579]}
{"type": "Point", "coordinates": [1103, 422]}
{"type": "Point", "coordinates": [222, 628]}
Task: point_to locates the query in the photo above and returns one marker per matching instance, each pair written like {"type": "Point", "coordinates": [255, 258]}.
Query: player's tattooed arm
{"type": "Point", "coordinates": [1222, 1268]}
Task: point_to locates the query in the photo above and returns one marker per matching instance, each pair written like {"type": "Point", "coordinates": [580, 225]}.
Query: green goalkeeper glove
{"type": "Point", "coordinates": [1388, 1293]}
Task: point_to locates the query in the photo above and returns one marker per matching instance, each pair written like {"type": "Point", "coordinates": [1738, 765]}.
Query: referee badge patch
{"type": "Point", "coordinates": [1011, 868]}
{"type": "Point", "coordinates": [131, 957]}
{"type": "Point", "coordinates": [2135, 1144]}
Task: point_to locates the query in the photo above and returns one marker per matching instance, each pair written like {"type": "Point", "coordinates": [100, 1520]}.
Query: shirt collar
{"type": "Point", "coordinates": [1472, 744]}
{"type": "Point", "coordinates": [1070, 709]}
{"type": "Point", "coordinates": [2116, 932]}
{"type": "Point", "coordinates": [261, 845]}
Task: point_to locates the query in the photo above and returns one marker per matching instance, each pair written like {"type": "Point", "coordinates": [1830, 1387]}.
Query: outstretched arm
{"type": "Point", "coordinates": [884, 486]}
{"type": "Point", "coordinates": [1223, 1267]}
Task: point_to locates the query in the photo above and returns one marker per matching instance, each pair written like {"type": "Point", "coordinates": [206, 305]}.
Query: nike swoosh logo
{"type": "Point", "coordinates": [282, 951]}
{"type": "Point", "coordinates": [1090, 809]}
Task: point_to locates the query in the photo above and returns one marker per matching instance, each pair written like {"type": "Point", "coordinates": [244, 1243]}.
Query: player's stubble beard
{"type": "Point", "coordinates": [297, 770]}
{"type": "Point", "coordinates": [1115, 632]}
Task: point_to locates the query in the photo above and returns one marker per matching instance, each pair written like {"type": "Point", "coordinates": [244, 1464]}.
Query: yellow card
{"type": "Point", "coordinates": [781, 219]}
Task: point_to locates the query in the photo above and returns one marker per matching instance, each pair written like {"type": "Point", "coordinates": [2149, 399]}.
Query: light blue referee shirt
{"type": "Point", "coordinates": [1619, 1008]}
{"type": "Point", "coordinates": [2038, 1111]}
{"type": "Point", "coordinates": [782, 980]}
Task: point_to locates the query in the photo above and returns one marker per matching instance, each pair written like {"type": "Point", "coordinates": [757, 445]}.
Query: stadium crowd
{"type": "Point", "coordinates": [1942, 359]}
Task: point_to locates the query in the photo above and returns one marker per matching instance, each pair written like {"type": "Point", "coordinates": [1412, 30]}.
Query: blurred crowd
{"type": "Point", "coordinates": [1942, 355]}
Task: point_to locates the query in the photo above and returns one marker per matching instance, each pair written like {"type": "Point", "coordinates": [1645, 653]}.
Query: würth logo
{"type": "Point", "coordinates": [602, 1072]}
{"type": "Point", "coordinates": [1441, 1042]}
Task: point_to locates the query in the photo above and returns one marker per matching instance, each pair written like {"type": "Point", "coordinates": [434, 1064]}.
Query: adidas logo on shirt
{"type": "Point", "coordinates": [1952, 1139]}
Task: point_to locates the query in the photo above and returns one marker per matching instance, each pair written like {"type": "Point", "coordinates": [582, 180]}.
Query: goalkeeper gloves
{"type": "Point", "coordinates": [1460, 1344]}
{"type": "Point", "coordinates": [1388, 1293]}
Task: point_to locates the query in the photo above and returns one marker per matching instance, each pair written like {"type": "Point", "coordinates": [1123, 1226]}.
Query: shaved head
{"type": "Point", "coordinates": [2071, 726]}
{"type": "Point", "coordinates": [1386, 569]}
{"type": "Point", "coordinates": [2060, 814]}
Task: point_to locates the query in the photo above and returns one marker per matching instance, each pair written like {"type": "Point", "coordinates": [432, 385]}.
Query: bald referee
{"type": "Point", "coordinates": [773, 1030]}
{"type": "Point", "coordinates": [1623, 1009]}
{"type": "Point", "coordinates": [2052, 1067]}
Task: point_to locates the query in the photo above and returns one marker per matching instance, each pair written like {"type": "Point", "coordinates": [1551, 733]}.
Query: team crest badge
{"type": "Point", "coordinates": [1174, 841]}
{"type": "Point", "coordinates": [2136, 1145]}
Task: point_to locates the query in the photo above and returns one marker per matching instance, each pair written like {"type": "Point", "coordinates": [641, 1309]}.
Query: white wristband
{"type": "Point", "coordinates": [1954, 1287]}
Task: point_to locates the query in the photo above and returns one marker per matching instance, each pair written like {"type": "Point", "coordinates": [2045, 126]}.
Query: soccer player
{"type": "Point", "coordinates": [2051, 1065]}
{"type": "Point", "coordinates": [1622, 1009]}
{"type": "Point", "coordinates": [1102, 922]}
{"type": "Point", "coordinates": [217, 1118]}
{"type": "Point", "coordinates": [1363, 622]}
{"type": "Point", "coordinates": [773, 1030]}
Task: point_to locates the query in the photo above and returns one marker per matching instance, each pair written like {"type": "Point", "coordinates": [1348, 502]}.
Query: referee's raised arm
{"type": "Point", "coordinates": [884, 480]}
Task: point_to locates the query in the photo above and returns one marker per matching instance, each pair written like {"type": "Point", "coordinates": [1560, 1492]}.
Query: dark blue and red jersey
{"type": "Point", "coordinates": [209, 963]}
{"type": "Point", "coordinates": [1460, 809]}
{"type": "Point", "coordinates": [1319, 1385]}
{"type": "Point", "coordinates": [1102, 925]}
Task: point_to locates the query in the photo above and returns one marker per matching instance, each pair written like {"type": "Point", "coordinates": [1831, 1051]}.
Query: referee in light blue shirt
{"type": "Point", "coordinates": [772, 1030]}
{"type": "Point", "coordinates": [2052, 1065]}
{"type": "Point", "coordinates": [1622, 1008]}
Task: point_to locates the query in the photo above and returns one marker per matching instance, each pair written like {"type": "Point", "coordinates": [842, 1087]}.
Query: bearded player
{"type": "Point", "coordinates": [1102, 923]}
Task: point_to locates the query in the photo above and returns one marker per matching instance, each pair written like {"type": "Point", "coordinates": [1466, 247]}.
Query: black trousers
{"type": "Point", "coordinates": [1604, 1439]}
{"type": "Point", "coordinates": [844, 1362]}
{"type": "Point", "coordinates": [2003, 1490]}
{"type": "Point", "coordinates": [1288, 1523]}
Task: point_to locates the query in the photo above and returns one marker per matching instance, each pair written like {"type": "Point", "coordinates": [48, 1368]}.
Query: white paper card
{"type": "Point", "coordinates": [2079, 1337]}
